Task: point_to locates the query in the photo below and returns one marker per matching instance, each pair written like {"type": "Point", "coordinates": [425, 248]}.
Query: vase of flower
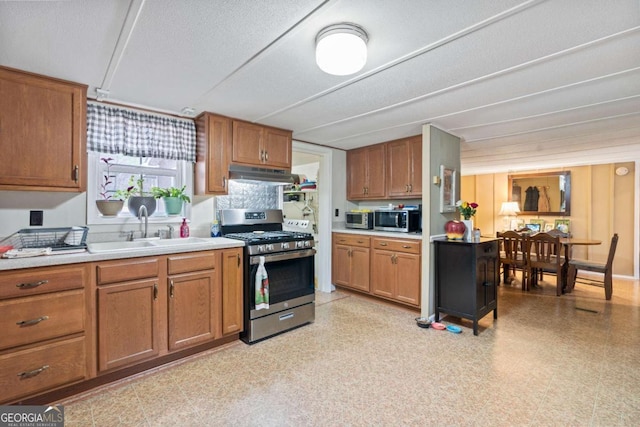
{"type": "Point", "coordinates": [467, 211]}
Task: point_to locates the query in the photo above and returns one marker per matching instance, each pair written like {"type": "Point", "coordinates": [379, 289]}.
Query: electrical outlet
{"type": "Point", "coordinates": [337, 212]}
{"type": "Point", "coordinates": [36, 217]}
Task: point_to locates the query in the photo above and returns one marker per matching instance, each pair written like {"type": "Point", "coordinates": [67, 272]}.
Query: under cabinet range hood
{"type": "Point", "coordinates": [253, 174]}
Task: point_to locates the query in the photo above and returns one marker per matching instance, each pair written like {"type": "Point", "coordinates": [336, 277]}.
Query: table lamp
{"type": "Point", "coordinates": [509, 210]}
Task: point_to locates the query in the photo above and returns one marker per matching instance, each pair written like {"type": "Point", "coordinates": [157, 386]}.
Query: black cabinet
{"type": "Point", "coordinates": [467, 274]}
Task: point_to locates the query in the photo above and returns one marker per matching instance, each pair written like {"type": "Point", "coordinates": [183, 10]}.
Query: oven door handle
{"type": "Point", "coordinates": [282, 256]}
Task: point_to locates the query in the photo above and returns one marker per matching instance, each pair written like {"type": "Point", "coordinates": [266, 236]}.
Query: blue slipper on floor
{"type": "Point", "coordinates": [454, 329]}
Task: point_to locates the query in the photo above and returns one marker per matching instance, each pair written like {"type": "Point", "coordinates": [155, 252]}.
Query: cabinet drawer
{"type": "Point", "coordinates": [27, 372]}
{"type": "Point", "coordinates": [397, 245]}
{"type": "Point", "coordinates": [32, 319]}
{"type": "Point", "coordinates": [352, 240]}
{"type": "Point", "coordinates": [35, 281]}
{"type": "Point", "coordinates": [190, 262]}
{"type": "Point", "coordinates": [126, 270]}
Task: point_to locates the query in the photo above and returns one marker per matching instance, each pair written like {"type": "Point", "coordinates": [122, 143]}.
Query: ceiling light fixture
{"type": "Point", "coordinates": [341, 49]}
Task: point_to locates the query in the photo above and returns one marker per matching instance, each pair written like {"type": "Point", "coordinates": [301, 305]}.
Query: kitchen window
{"type": "Point", "coordinates": [156, 173]}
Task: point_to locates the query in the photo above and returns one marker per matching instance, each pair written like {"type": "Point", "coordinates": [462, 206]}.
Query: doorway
{"type": "Point", "coordinates": [307, 158]}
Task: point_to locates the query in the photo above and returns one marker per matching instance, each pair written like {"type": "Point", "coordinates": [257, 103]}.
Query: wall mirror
{"type": "Point", "coordinates": [546, 193]}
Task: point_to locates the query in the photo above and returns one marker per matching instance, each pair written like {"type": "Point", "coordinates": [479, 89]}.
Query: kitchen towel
{"type": "Point", "coordinates": [262, 286]}
{"type": "Point", "coordinates": [27, 252]}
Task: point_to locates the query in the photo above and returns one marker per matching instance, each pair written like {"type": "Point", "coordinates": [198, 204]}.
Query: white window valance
{"type": "Point", "coordinates": [122, 131]}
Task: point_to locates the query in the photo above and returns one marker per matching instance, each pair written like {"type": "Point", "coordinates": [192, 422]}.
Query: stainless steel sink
{"type": "Point", "coordinates": [118, 246]}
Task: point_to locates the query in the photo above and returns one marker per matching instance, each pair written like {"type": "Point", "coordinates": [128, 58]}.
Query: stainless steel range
{"type": "Point", "coordinates": [289, 263]}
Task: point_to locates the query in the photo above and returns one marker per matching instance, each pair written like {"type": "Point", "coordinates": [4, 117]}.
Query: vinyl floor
{"type": "Point", "coordinates": [572, 360]}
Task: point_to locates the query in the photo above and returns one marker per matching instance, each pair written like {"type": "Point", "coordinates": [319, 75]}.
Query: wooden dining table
{"type": "Point", "coordinates": [569, 243]}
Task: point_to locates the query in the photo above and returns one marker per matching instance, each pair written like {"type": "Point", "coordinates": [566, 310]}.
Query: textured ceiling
{"type": "Point", "coordinates": [525, 84]}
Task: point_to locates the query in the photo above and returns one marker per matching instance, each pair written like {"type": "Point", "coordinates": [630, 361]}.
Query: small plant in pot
{"type": "Point", "coordinates": [108, 205]}
{"type": "Point", "coordinates": [173, 198]}
{"type": "Point", "coordinates": [136, 196]}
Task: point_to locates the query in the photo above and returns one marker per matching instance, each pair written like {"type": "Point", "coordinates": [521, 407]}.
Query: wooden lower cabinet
{"type": "Point", "coordinates": [384, 267]}
{"type": "Point", "coordinates": [172, 303]}
{"type": "Point", "coordinates": [395, 270]}
{"type": "Point", "coordinates": [45, 332]}
{"type": "Point", "coordinates": [128, 323]}
{"type": "Point", "coordinates": [350, 261]}
{"type": "Point", "coordinates": [231, 290]}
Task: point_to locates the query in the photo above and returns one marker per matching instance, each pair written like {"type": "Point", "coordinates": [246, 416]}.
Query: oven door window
{"type": "Point", "coordinates": [288, 279]}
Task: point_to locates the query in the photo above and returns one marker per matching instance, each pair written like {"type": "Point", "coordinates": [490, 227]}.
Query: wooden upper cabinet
{"type": "Point", "coordinates": [212, 158]}
{"type": "Point", "coordinates": [263, 146]}
{"type": "Point", "coordinates": [366, 172]}
{"type": "Point", "coordinates": [42, 133]}
{"type": "Point", "coordinates": [404, 168]}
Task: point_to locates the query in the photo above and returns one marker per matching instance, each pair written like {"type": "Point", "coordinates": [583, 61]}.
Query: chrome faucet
{"type": "Point", "coordinates": [143, 211]}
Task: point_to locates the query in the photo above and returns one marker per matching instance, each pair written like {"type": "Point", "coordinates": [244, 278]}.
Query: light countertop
{"type": "Point", "coordinates": [391, 234]}
{"type": "Point", "coordinates": [48, 260]}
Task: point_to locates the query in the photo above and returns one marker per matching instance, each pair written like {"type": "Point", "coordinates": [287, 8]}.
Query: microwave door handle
{"type": "Point", "coordinates": [398, 221]}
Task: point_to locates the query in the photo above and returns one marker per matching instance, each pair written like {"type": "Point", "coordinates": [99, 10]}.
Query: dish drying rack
{"type": "Point", "coordinates": [58, 239]}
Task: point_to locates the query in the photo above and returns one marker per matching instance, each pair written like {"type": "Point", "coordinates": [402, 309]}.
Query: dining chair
{"type": "Point", "coordinates": [512, 255]}
{"type": "Point", "coordinates": [543, 253]}
{"type": "Point", "coordinates": [606, 269]}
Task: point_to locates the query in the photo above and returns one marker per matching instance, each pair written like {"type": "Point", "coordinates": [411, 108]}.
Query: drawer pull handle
{"type": "Point", "coordinates": [31, 374]}
{"type": "Point", "coordinates": [406, 246]}
{"type": "Point", "coordinates": [360, 241]}
{"type": "Point", "coordinates": [155, 291]}
{"type": "Point", "coordinates": [171, 288]}
{"type": "Point", "coordinates": [383, 244]}
{"type": "Point", "coordinates": [32, 321]}
{"type": "Point", "coordinates": [31, 285]}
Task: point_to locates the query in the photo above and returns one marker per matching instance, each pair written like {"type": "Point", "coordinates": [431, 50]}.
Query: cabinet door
{"type": "Point", "coordinates": [359, 268]}
{"type": "Point", "coordinates": [398, 168]}
{"type": "Point", "coordinates": [408, 278]}
{"type": "Point", "coordinates": [232, 291]}
{"type": "Point", "coordinates": [42, 133]}
{"type": "Point", "coordinates": [356, 174]}
{"type": "Point", "coordinates": [415, 166]}
{"type": "Point", "coordinates": [487, 277]}
{"type": "Point", "coordinates": [277, 148]}
{"type": "Point", "coordinates": [383, 273]}
{"type": "Point", "coordinates": [127, 323]}
{"type": "Point", "coordinates": [341, 265]}
{"type": "Point", "coordinates": [247, 143]}
{"type": "Point", "coordinates": [212, 158]}
{"type": "Point", "coordinates": [192, 309]}
{"type": "Point", "coordinates": [376, 160]}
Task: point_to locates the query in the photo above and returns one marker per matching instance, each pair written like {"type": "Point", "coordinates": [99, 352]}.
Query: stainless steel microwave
{"type": "Point", "coordinates": [402, 220]}
{"type": "Point", "coordinates": [362, 220]}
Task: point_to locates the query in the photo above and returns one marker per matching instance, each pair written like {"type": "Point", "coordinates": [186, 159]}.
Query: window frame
{"type": "Point", "coordinates": [183, 176]}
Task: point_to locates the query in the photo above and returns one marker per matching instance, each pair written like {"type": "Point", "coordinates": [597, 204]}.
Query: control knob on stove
{"type": "Point", "coordinates": [270, 247]}
{"type": "Point", "coordinates": [285, 245]}
{"type": "Point", "coordinates": [260, 248]}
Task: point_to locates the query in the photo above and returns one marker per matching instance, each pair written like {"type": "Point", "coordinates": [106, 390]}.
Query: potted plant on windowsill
{"type": "Point", "coordinates": [136, 197]}
{"type": "Point", "coordinates": [108, 205]}
{"type": "Point", "coordinates": [173, 198]}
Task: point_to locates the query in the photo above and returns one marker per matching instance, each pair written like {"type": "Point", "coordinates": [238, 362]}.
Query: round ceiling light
{"type": "Point", "coordinates": [341, 49]}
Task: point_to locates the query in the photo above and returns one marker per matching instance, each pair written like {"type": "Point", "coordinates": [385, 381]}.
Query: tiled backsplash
{"type": "Point", "coordinates": [246, 195]}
